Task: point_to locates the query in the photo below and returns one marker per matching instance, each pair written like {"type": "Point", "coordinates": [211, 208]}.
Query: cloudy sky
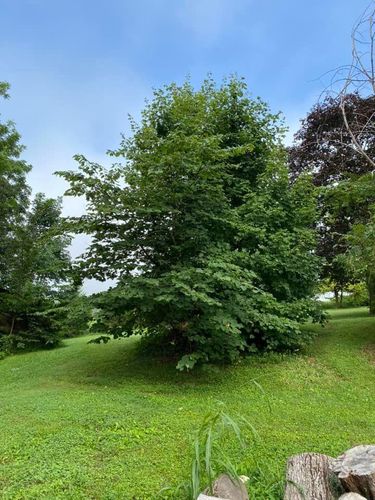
{"type": "Point", "coordinates": [78, 67]}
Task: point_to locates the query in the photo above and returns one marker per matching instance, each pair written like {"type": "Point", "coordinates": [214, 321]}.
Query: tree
{"type": "Point", "coordinates": [38, 275]}
{"type": "Point", "coordinates": [14, 191]}
{"type": "Point", "coordinates": [211, 245]}
{"type": "Point", "coordinates": [360, 254]}
{"type": "Point", "coordinates": [359, 77]}
{"type": "Point", "coordinates": [337, 144]}
{"type": "Point", "coordinates": [323, 147]}
{"type": "Point", "coordinates": [34, 261]}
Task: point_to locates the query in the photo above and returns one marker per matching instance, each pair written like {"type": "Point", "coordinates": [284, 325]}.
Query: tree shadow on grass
{"type": "Point", "coordinates": [119, 361]}
{"type": "Point", "coordinates": [341, 314]}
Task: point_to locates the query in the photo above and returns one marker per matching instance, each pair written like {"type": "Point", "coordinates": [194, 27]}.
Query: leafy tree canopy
{"type": "Point", "coordinates": [324, 147]}
{"type": "Point", "coordinates": [211, 245]}
{"type": "Point", "coordinates": [360, 239]}
{"type": "Point", "coordinates": [14, 191]}
{"type": "Point", "coordinates": [34, 261]}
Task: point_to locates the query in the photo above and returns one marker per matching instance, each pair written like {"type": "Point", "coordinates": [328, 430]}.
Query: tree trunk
{"type": "Point", "coordinates": [356, 470]}
{"type": "Point", "coordinates": [341, 296]}
{"type": "Point", "coordinates": [371, 291]}
{"type": "Point", "coordinates": [12, 325]}
{"type": "Point", "coordinates": [309, 477]}
{"type": "Point", "coordinates": [336, 292]}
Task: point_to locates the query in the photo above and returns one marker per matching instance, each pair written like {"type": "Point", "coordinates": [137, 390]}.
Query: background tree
{"type": "Point", "coordinates": [14, 191]}
{"type": "Point", "coordinates": [211, 246]}
{"type": "Point", "coordinates": [359, 77]}
{"type": "Point", "coordinates": [362, 254]}
{"type": "Point", "coordinates": [337, 144]}
{"type": "Point", "coordinates": [323, 147]}
{"type": "Point", "coordinates": [34, 261]}
{"type": "Point", "coordinates": [37, 273]}
{"type": "Point", "coordinates": [360, 239]}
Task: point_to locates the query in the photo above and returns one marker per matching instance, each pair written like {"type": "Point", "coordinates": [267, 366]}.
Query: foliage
{"type": "Point", "coordinates": [362, 253]}
{"type": "Point", "coordinates": [355, 295]}
{"type": "Point", "coordinates": [34, 261]}
{"type": "Point", "coordinates": [107, 422]}
{"type": "Point", "coordinates": [358, 295]}
{"type": "Point", "coordinates": [360, 239]}
{"type": "Point", "coordinates": [37, 273]}
{"type": "Point", "coordinates": [211, 245]}
{"type": "Point", "coordinates": [324, 147]}
{"type": "Point", "coordinates": [14, 192]}
{"type": "Point", "coordinates": [75, 313]}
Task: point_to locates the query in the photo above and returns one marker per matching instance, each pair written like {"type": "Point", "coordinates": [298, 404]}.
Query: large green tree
{"type": "Point", "coordinates": [211, 245]}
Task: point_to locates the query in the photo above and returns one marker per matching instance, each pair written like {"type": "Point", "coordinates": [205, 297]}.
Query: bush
{"type": "Point", "coordinates": [74, 316]}
{"type": "Point", "coordinates": [358, 295]}
{"type": "Point", "coordinates": [38, 330]}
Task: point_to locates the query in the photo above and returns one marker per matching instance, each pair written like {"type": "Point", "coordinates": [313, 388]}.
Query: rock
{"type": "Point", "coordinates": [226, 488]}
{"type": "Point", "coordinates": [352, 496]}
{"type": "Point", "coordinates": [202, 496]}
{"type": "Point", "coordinates": [356, 470]}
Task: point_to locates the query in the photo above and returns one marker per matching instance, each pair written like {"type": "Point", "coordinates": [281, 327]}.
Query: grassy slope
{"type": "Point", "coordinates": [97, 422]}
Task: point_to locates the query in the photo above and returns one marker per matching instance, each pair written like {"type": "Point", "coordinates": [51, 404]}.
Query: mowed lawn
{"type": "Point", "coordinates": [102, 422]}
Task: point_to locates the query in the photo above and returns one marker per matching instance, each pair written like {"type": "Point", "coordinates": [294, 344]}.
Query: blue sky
{"type": "Point", "coordinates": [78, 67]}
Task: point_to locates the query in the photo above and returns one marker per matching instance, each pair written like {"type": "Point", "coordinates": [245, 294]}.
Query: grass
{"type": "Point", "coordinates": [100, 422]}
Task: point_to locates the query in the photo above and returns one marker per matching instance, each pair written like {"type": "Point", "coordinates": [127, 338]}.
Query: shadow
{"type": "Point", "coordinates": [114, 365]}
{"type": "Point", "coordinates": [352, 313]}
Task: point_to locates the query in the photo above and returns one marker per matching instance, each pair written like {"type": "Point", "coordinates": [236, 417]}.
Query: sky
{"type": "Point", "coordinates": [77, 68]}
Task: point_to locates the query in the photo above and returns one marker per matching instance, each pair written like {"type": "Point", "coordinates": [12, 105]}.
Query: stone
{"type": "Point", "coordinates": [352, 496]}
{"type": "Point", "coordinates": [202, 496]}
{"type": "Point", "coordinates": [226, 488]}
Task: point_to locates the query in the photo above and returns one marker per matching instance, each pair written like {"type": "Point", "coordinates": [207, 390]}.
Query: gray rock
{"type": "Point", "coordinates": [352, 496]}
{"type": "Point", "coordinates": [224, 488]}
{"type": "Point", "coordinates": [202, 496]}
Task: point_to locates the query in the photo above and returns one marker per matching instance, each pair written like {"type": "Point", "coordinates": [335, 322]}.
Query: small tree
{"type": "Point", "coordinates": [362, 253]}
{"type": "Point", "coordinates": [38, 272]}
{"type": "Point", "coordinates": [211, 245]}
{"type": "Point", "coordinates": [360, 239]}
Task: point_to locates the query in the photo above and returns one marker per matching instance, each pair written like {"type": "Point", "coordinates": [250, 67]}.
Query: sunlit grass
{"type": "Point", "coordinates": [102, 422]}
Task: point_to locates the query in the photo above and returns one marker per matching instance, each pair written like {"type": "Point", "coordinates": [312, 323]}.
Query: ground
{"type": "Point", "coordinates": [92, 421]}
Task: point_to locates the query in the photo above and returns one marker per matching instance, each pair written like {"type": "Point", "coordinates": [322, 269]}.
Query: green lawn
{"type": "Point", "coordinates": [101, 422]}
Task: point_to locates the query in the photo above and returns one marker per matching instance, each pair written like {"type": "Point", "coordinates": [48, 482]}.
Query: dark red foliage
{"type": "Point", "coordinates": [323, 145]}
